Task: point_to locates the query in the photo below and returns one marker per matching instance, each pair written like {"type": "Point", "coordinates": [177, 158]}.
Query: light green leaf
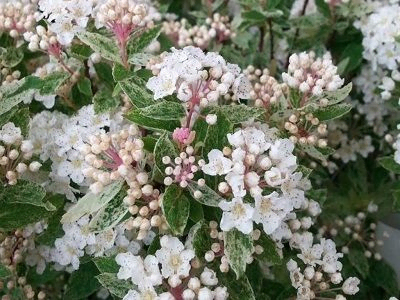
{"type": "Point", "coordinates": [389, 164]}
{"type": "Point", "coordinates": [120, 73]}
{"type": "Point", "coordinates": [164, 147]}
{"type": "Point", "coordinates": [110, 214]}
{"type": "Point", "coordinates": [241, 113]}
{"type": "Point", "coordinates": [25, 192]}
{"type": "Point", "coordinates": [339, 95]}
{"type": "Point", "coordinates": [140, 59]}
{"type": "Point", "coordinates": [21, 119]}
{"type": "Point", "coordinates": [136, 116]}
{"type": "Point", "coordinates": [238, 248]}
{"type": "Point", "coordinates": [332, 112]}
{"type": "Point", "coordinates": [116, 286]}
{"type": "Point", "coordinates": [105, 46]}
{"type": "Point", "coordinates": [85, 86]}
{"type": "Point", "coordinates": [209, 196]}
{"type": "Point", "coordinates": [175, 207]}
{"type": "Point", "coordinates": [135, 89]}
{"type": "Point", "coordinates": [80, 51]}
{"type": "Point", "coordinates": [15, 93]}
{"type": "Point", "coordinates": [317, 153]}
{"type": "Point", "coordinates": [91, 203]}
{"type": "Point", "coordinates": [10, 57]}
{"type": "Point", "coordinates": [52, 82]}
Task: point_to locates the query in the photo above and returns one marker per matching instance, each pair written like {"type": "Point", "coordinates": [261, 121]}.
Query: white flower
{"type": "Point", "coordinates": [142, 273]}
{"type": "Point", "coordinates": [164, 84]}
{"type": "Point", "coordinates": [208, 277]}
{"type": "Point", "coordinates": [281, 155]}
{"type": "Point", "coordinates": [236, 215]}
{"type": "Point", "coordinates": [146, 293]}
{"type": "Point", "coordinates": [270, 210]}
{"type": "Point", "coordinates": [174, 258]}
{"type": "Point", "coordinates": [350, 286]}
{"type": "Point", "coordinates": [9, 134]}
{"type": "Point", "coordinates": [218, 164]}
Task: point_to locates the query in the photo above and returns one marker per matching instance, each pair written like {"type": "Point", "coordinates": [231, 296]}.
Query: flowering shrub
{"type": "Point", "coordinates": [198, 150]}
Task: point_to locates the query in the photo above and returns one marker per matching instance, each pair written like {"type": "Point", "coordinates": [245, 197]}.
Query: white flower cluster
{"type": "Point", "coordinates": [380, 30]}
{"type": "Point", "coordinates": [42, 38]}
{"type": "Point", "coordinates": [216, 29]}
{"type": "Point", "coordinates": [66, 18]}
{"type": "Point", "coordinates": [175, 261]}
{"type": "Point", "coordinates": [311, 75]}
{"type": "Point", "coordinates": [197, 77]}
{"type": "Point", "coordinates": [15, 154]}
{"type": "Point", "coordinates": [78, 240]}
{"type": "Point", "coordinates": [57, 137]}
{"type": "Point", "coordinates": [17, 17]}
{"type": "Point", "coordinates": [258, 159]}
{"type": "Point", "coordinates": [321, 268]}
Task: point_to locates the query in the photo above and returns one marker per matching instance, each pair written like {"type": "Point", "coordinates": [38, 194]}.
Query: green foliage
{"type": "Point", "coordinates": [199, 239]}
{"type": "Point", "coordinates": [270, 253]}
{"type": "Point", "coordinates": [91, 202]}
{"type": "Point", "coordinates": [82, 282]}
{"type": "Point", "coordinates": [176, 208]}
{"type": "Point", "coordinates": [104, 101]}
{"type": "Point", "coordinates": [139, 43]}
{"type": "Point", "coordinates": [106, 47]}
{"type": "Point", "coordinates": [238, 247]}
{"type": "Point", "coordinates": [239, 289]}
{"type": "Point", "coordinates": [4, 272]}
{"type": "Point", "coordinates": [332, 112]}
{"type": "Point", "coordinates": [389, 164]}
{"type": "Point", "coordinates": [116, 286]}
{"type": "Point", "coordinates": [135, 90]}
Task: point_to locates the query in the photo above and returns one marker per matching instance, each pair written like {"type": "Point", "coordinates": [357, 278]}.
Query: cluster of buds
{"type": "Point", "coordinates": [204, 287]}
{"type": "Point", "coordinates": [306, 129]}
{"type": "Point", "coordinates": [218, 29]}
{"type": "Point", "coordinates": [12, 249]}
{"type": "Point", "coordinates": [43, 39]}
{"type": "Point", "coordinates": [312, 282]}
{"type": "Point", "coordinates": [122, 18]}
{"type": "Point", "coordinates": [355, 229]}
{"type": "Point", "coordinates": [15, 154]}
{"type": "Point", "coordinates": [145, 208]}
{"type": "Point", "coordinates": [17, 17]}
{"type": "Point", "coordinates": [181, 169]}
{"type": "Point", "coordinates": [266, 90]}
{"type": "Point", "coordinates": [311, 75]}
{"type": "Point", "coordinates": [115, 156]}
{"type": "Point", "coordinates": [7, 76]}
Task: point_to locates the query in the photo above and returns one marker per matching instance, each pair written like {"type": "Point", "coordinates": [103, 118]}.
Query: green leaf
{"type": "Point", "coordinates": [389, 164]}
{"type": "Point", "coordinates": [91, 203]}
{"type": "Point", "coordinates": [120, 73]}
{"type": "Point", "coordinates": [21, 119]}
{"type": "Point", "coordinates": [116, 286]}
{"type": "Point", "coordinates": [320, 195]}
{"type": "Point", "coordinates": [52, 82]}
{"type": "Point", "coordinates": [396, 200]}
{"type": "Point", "coordinates": [384, 276]}
{"type": "Point", "coordinates": [196, 210]}
{"type": "Point", "coordinates": [136, 116]}
{"type": "Point", "coordinates": [176, 208]}
{"type": "Point", "coordinates": [359, 261]}
{"type": "Point", "coordinates": [135, 89]}
{"type": "Point", "coordinates": [199, 239]}
{"type": "Point", "coordinates": [339, 95]}
{"type": "Point", "coordinates": [4, 272]}
{"type": "Point", "coordinates": [241, 113]}
{"type": "Point", "coordinates": [332, 112]}
{"type": "Point", "coordinates": [238, 248]}
{"type": "Point", "coordinates": [163, 147]}
{"type": "Point", "coordinates": [15, 93]}
{"type": "Point", "coordinates": [316, 152]}
{"type": "Point", "coordinates": [238, 289]}
{"type": "Point", "coordinates": [82, 282]}
{"type": "Point", "coordinates": [104, 72]}
{"type": "Point", "coordinates": [80, 51]}
{"type": "Point", "coordinates": [110, 214]}
{"type": "Point", "coordinates": [140, 59]}
{"type": "Point", "coordinates": [104, 101]}
{"type": "Point", "coordinates": [25, 192]}
{"type": "Point", "coordinates": [140, 43]}
{"type": "Point", "coordinates": [209, 197]}
{"type": "Point", "coordinates": [85, 86]}
{"type": "Point", "coordinates": [10, 57]}
{"type": "Point", "coordinates": [106, 264]}
{"type": "Point", "coordinates": [354, 54]}
{"type": "Point", "coordinates": [323, 8]}
{"type": "Point", "coordinates": [270, 253]}
{"type": "Point", "coordinates": [106, 47]}
{"type": "Point", "coordinates": [216, 136]}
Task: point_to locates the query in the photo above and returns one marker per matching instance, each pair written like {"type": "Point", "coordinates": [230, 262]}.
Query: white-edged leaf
{"type": "Point", "coordinates": [91, 203]}
{"type": "Point", "coordinates": [105, 46]}
{"type": "Point", "coordinates": [209, 197]}
{"type": "Point", "coordinates": [238, 248]}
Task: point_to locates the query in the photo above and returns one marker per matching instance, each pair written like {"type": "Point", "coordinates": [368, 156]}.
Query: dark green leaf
{"type": "Point", "coordinates": [82, 282]}
{"type": "Point", "coordinates": [389, 164]}
{"type": "Point", "coordinates": [176, 208]}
